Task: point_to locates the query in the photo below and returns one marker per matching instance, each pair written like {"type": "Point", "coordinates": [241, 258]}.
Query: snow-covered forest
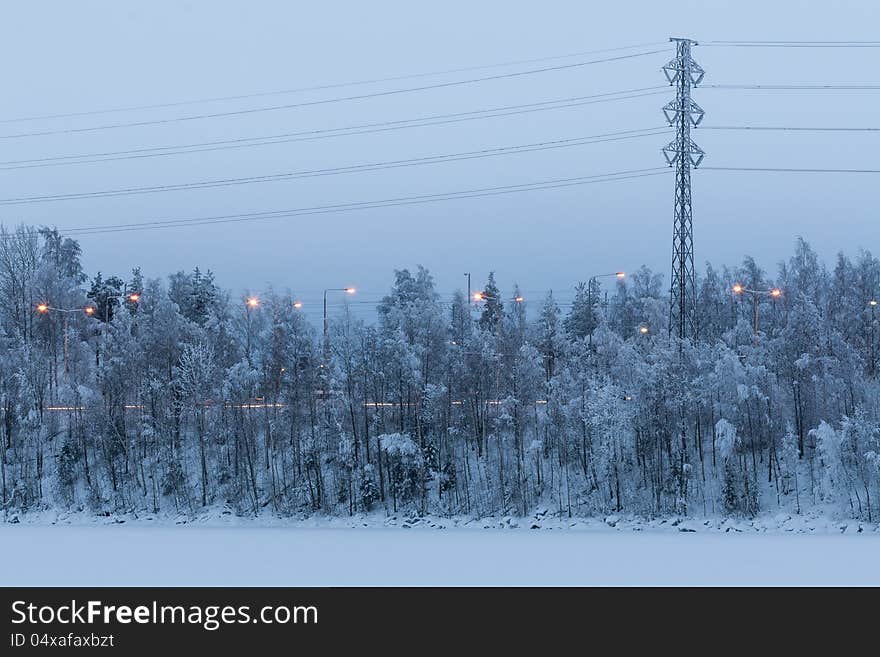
{"type": "Point", "coordinates": [189, 397]}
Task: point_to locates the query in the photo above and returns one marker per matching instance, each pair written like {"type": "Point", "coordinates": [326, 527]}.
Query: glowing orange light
{"type": "Point", "coordinates": [643, 329]}
{"type": "Point", "coordinates": [738, 289]}
{"type": "Point", "coordinates": [89, 310]}
{"type": "Point", "coordinates": [775, 292]}
{"type": "Point", "coordinates": [134, 297]}
{"type": "Point", "coordinates": [478, 296]}
{"type": "Point", "coordinates": [350, 290]}
{"type": "Point", "coordinates": [518, 299]}
{"type": "Point", "coordinates": [253, 302]}
{"type": "Point", "coordinates": [297, 304]}
{"type": "Point", "coordinates": [42, 308]}
{"type": "Point", "coordinates": [872, 302]}
{"type": "Point", "coordinates": [620, 274]}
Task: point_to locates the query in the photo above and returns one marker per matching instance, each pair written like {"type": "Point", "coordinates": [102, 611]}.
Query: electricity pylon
{"type": "Point", "coordinates": [682, 153]}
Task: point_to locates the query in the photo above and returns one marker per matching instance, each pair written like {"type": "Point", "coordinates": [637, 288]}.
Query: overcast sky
{"type": "Point", "coordinates": [62, 57]}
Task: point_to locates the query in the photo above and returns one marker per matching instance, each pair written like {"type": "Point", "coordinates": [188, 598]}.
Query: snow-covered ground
{"type": "Point", "coordinates": [363, 551]}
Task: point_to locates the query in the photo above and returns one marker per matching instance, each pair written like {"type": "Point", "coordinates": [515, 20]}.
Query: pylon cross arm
{"type": "Point", "coordinates": [674, 109]}
{"type": "Point", "coordinates": [674, 69]}
{"type": "Point", "coordinates": [674, 151]}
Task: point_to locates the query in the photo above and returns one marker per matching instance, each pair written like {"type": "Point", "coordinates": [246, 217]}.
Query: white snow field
{"type": "Point", "coordinates": [122, 555]}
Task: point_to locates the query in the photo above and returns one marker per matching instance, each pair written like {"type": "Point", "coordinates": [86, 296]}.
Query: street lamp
{"type": "Point", "coordinates": [873, 305]}
{"type": "Point", "coordinates": [249, 304]}
{"type": "Point", "coordinates": [482, 296]}
{"type": "Point", "coordinates": [133, 297]}
{"type": "Point", "coordinates": [347, 290]}
{"type": "Point", "coordinates": [44, 308]}
{"type": "Point", "coordinates": [644, 330]}
{"type": "Point", "coordinates": [592, 280]}
{"type": "Point", "coordinates": [297, 304]}
{"type": "Point", "coordinates": [773, 293]}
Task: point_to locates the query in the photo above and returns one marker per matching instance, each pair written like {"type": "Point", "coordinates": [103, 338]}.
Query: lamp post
{"type": "Point", "coordinates": [481, 296]}
{"type": "Point", "coordinates": [347, 290]}
{"type": "Point", "coordinates": [45, 308]}
{"type": "Point", "coordinates": [773, 293]}
{"type": "Point", "coordinates": [133, 297]}
{"type": "Point", "coordinates": [592, 281]}
{"type": "Point", "coordinates": [250, 303]}
{"type": "Point", "coordinates": [873, 305]}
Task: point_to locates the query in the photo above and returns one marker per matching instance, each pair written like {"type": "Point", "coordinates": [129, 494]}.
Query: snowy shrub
{"type": "Point", "coordinates": [405, 466]}
{"type": "Point", "coordinates": [369, 487]}
{"type": "Point", "coordinates": [739, 489]}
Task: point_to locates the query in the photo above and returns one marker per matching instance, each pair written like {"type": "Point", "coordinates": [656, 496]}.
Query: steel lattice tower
{"type": "Point", "coordinates": [682, 153]}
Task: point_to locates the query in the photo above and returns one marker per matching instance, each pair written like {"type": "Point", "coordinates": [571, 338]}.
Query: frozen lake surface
{"type": "Point", "coordinates": [189, 555]}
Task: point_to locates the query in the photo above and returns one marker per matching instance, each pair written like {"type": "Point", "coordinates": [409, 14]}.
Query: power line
{"type": "Point", "coordinates": [324, 87]}
{"type": "Point", "coordinates": [410, 200]}
{"type": "Point", "coordinates": [326, 133]}
{"type": "Point", "coordinates": [788, 128]}
{"type": "Point", "coordinates": [793, 44]}
{"type": "Point", "coordinates": [324, 101]}
{"type": "Point", "coordinates": [790, 170]}
{"type": "Point", "coordinates": [355, 168]}
{"type": "Point", "coordinates": [795, 87]}
{"type": "Point", "coordinates": [362, 205]}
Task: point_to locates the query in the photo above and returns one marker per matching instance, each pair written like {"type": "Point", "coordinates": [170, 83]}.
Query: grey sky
{"type": "Point", "coordinates": [68, 57]}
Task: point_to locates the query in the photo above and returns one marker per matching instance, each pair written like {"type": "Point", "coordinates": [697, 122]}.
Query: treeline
{"type": "Point", "coordinates": [172, 396]}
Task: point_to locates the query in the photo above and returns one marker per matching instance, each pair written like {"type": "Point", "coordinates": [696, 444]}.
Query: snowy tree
{"type": "Point", "coordinates": [193, 398]}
